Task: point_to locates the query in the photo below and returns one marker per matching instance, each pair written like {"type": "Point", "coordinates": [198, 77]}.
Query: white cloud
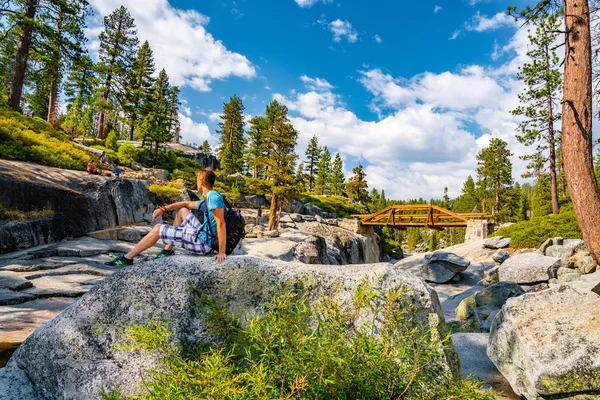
{"type": "Point", "coordinates": [195, 132]}
{"type": "Point", "coordinates": [377, 39]}
{"type": "Point", "coordinates": [267, 87]}
{"type": "Point", "coordinates": [454, 35]}
{"type": "Point", "coordinates": [180, 41]}
{"type": "Point", "coordinates": [310, 3]}
{"type": "Point", "coordinates": [317, 84]}
{"type": "Point", "coordinates": [186, 110]}
{"type": "Point", "coordinates": [481, 23]}
{"type": "Point", "coordinates": [437, 9]}
{"type": "Point", "coordinates": [214, 116]}
{"type": "Point", "coordinates": [343, 29]}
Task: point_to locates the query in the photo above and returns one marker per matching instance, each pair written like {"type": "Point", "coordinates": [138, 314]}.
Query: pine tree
{"type": "Point", "coordinates": [323, 172]}
{"type": "Point", "coordinates": [231, 129]}
{"type": "Point", "coordinates": [118, 43]}
{"type": "Point", "coordinates": [313, 155]}
{"type": "Point", "coordinates": [357, 185]}
{"type": "Point", "coordinates": [541, 98]}
{"type": "Point", "coordinates": [138, 92]}
{"type": "Point", "coordinates": [155, 129]}
{"type": "Point", "coordinates": [337, 181]}
{"type": "Point", "coordinates": [495, 170]}
{"type": "Point", "coordinates": [205, 148]}
{"type": "Point", "coordinates": [301, 177]}
{"type": "Point", "coordinates": [173, 113]}
{"type": "Point", "coordinates": [280, 141]}
{"type": "Point", "coordinates": [73, 118]}
{"type": "Point", "coordinates": [81, 80]}
{"type": "Point", "coordinates": [468, 201]}
{"type": "Point", "coordinates": [446, 198]}
{"type": "Point", "coordinates": [86, 125]}
{"type": "Point", "coordinates": [255, 150]}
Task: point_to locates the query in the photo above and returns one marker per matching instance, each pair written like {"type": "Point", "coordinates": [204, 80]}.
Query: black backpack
{"type": "Point", "coordinates": [235, 225]}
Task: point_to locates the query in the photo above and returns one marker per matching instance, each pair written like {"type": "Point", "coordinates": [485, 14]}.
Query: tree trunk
{"type": "Point", "coordinates": [156, 153]}
{"type": "Point", "coordinates": [551, 144]}
{"type": "Point", "coordinates": [55, 76]}
{"type": "Point", "coordinates": [100, 134]}
{"type": "Point", "coordinates": [20, 65]}
{"type": "Point", "coordinates": [131, 128]}
{"type": "Point", "coordinates": [255, 171]}
{"type": "Point", "coordinates": [273, 213]}
{"type": "Point", "coordinates": [577, 124]}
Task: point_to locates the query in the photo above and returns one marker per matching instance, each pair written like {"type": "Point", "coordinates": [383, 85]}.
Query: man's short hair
{"type": "Point", "coordinates": [208, 175]}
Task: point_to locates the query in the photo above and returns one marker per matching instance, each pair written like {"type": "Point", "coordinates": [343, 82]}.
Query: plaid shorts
{"type": "Point", "coordinates": [185, 236]}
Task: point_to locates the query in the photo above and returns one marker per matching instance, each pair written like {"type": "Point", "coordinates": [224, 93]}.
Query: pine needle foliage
{"type": "Point", "coordinates": [303, 348]}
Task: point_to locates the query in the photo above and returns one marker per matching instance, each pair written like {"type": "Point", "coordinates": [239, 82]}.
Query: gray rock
{"type": "Point", "coordinates": [252, 201]}
{"type": "Point", "coordinates": [586, 265]}
{"type": "Point", "coordinates": [8, 297]}
{"type": "Point", "coordinates": [528, 268]}
{"type": "Point", "coordinates": [562, 252]}
{"type": "Point", "coordinates": [312, 251]}
{"type": "Point", "coordinates": [545, 245]}
{"type": "Point", "coordinates": [441, 266]}
{"type": "Point", "coordinates": [296, 207]}
{"type": "Point", "coordinates": [319, 219]}
{"type": "Point", "coordinates": [13, 281]}
{"type": "Point", "coordinates": [471, 348]}
{"type": "Point", "coordinates": [496, 295]}
{"type": "Point", "coordinates": [14, 384]}
{"type": "Point", "coordinates": [497, 242]}
{"type": "Point", "coordinates": [567, 274]}
{"type": "Point", "coordinates": [486, 325]}
{"type": "Point", "coordinates": [558, 241]}
{"type": "Point", "coordinates": [575, 244]}
{"type": "Point", "coordinates": [308, 218]}
{"type": "Point", "coordinates": [491, 275]}
{"type": "Point", "coordinates": [270, 234]}
{"type": "Point", "coordinates": [500, 256]}
{"type": "Point", "coordinates": [547, 344]}
{"type": "Point", "coordinates": [287, 218]}
{"type": "Point", "coordinates": [77, 348]}
{"type": "Point", "coordinates": [296, 217]}
{"type": "Point", "coordinates": [311, 209]}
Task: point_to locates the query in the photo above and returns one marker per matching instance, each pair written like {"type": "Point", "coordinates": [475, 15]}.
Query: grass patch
{"type": "Point", "coordinates": [534, 232]}
{"type": "Point", "coordinates": [18, 215]}
{"type": "Point", "coordinates": [33, 140]}
{"type": "Point", "coordinates": [165, 193]}
{"type": "Point", "coordinates": [303, 348]}
{"type": "Point", "coordinates": [342, 206]}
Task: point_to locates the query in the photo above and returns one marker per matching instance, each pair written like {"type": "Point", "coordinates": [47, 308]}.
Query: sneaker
{"type": "Point", "coordinates": [120, 261]}
{"type": "Point", "coordinates": [165, 253]}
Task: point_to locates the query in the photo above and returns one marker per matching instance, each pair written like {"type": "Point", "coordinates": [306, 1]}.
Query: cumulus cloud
{"type": "Point", "coordinates": [180, 41]}
{"type": "Point", "coordinates": [343, 29]}
{"type": "Point", "coordinates": [316, 83]}
{"type": "Point", "coordinates": [310, 3]}
{"type": "Point", "coordinates": [195, 132]}
{"type": "Point", "coordinates": [481, 23]}
{"type": "Point", "coordinates": [377, 39]}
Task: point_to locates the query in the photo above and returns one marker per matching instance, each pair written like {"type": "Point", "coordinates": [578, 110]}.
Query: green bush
{"type": "Point", "coordinates": [179, 167]}
{"type": "Point", "coordinates": [342, 206]}
{"type": "Point", "coordinates": [127, 153]}
{"type": "Point", "coordinates": [111, 141]}
{"type": "Point", "coordinates": [34, 140]}
{"type": "Point", "coordinates": [532, 233]}
{"type": "Point", "coordinates": [303, 349]}
{"type": "Point", "coordinates": [114, 156]}
{"type": "Point", "coordinates": [165, 193]}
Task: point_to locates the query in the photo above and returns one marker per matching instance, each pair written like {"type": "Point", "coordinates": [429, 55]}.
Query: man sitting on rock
{"type": "Point", "coordinates": [187, 232]}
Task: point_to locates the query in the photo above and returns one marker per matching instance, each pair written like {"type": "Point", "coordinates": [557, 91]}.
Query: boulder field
{"type": "Point", "coordinates": [74, 355]}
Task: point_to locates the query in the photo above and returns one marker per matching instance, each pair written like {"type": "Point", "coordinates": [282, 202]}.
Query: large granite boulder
{"type": "Point", "coordinates": [82, 203]}
{"type": "Point", "coordinates": [497, 242]}
{"type": "Point", "coordinates": [529, 268]}
{"type": "Point", "coordinates": [252, 201]}
{"type": "Point", "coordinates": [547, 344]}
{"type": "Point", "coordinates": [311, 209]}
{"type": "Point", "coordinates": [74, 355]}
{"type": "Point", "coordinates": [442, 266]}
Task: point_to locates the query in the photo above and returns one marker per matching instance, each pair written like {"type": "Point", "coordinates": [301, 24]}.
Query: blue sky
{"type": "Point", "coordinates": [412, 90]}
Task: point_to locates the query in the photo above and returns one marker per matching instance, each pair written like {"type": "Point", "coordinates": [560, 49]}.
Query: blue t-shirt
{"type": "Point", "coordinates": [213, 199]}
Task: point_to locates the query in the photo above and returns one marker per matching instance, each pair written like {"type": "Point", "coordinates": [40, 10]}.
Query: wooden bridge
{"type": "Point", "coordinates": [419, 215]}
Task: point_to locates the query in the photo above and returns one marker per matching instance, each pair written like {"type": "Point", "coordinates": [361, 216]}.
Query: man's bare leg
{"type": "Point", "coordinates": [179, 217]}
{"type": "Point", "coordinates": [147, 241]}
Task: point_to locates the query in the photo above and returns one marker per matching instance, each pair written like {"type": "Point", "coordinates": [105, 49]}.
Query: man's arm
{"type": "Point", "coordinates": [219, 214]}
{"type": "Point", "coordinates": [193, 205]}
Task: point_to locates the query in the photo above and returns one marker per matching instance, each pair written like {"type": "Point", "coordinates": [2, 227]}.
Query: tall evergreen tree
{"type": "Point", "coordinates": [255, 151]}
{"type": "Point", "coordinates": [541, 98]}
{"type": "Point", "coordinates": [280, 141]}
{"type": "Point", "coordinates": [323, 172]}
{"type": "Point", "coordinates": [468, 200]}
{"type": "Point", "coordinates": [205, 148]}
{"type": "Point", "coordinates": [138, 92]}
{"type": "Point", "coordinates": [356, 187]}
{"type": "Point", "coordinates": [313, 155]}
{"type": "Point", "coordinates": [155, 129]}
{"type": "Point", "coordinates": [337, 181]}
{"type": "Point", "coordinates": [231, 129]}
{"type": "Point", "coordinates": [81, 80]}
{"type": "Point", "coordinates": [118, 44]}
{"type": "Point", "coordinates": [495, 170]}
{"type": "Point", "coordinates": [173, 113]}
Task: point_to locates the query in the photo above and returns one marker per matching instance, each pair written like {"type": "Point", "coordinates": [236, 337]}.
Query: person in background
{"type": "Point", "coordinates": [187, 232]}
{"type": "Point", "coordinates": [117, 171]}
{"type": "Point", "coordinates": [92, 169]}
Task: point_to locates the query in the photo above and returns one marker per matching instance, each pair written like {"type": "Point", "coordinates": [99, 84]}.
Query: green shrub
{"type": "Point", "coordinates": [165, 193]}
{"type": "Point", "coordinates": [111, 153]}
{"type": "Point", "coordinates": [532, 233]}
{"type": "Point", "coordinates": [111, 141]}
{"type": "Point", "coordinates": [303, 349]}
{"type": "Point", "coordinates": [342, 206]}
{"type": "Point", "coordinates": [179, 167]}
{"type": "Point", "coordinates": [391, 247]}
{"type": "Point", "coordinates": [33, 140]}
{"type": "Point", "coordinates": [127, 153]}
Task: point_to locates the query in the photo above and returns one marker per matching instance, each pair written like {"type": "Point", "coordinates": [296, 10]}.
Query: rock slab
{"type": "Point", "coordinates": [547, 344]}
{"type": "Point", "coordinates": [529, 268]}
{"type": "Point", "coordinates": [442, 266]}
{"type": "Point", "coordinates": [77, 348]}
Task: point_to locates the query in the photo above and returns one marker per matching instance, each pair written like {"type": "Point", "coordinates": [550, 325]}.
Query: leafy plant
{"type": "Point", "coordinates": [127, 153]}
{"type": "Point", "coordinates": [342, 206]}
{"type": "Point", "coordinates": [165, 193]}
{"type": "Point", "coordinates": [532, 233]}
{"type": "Point", "coordinates": [303, 348]}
